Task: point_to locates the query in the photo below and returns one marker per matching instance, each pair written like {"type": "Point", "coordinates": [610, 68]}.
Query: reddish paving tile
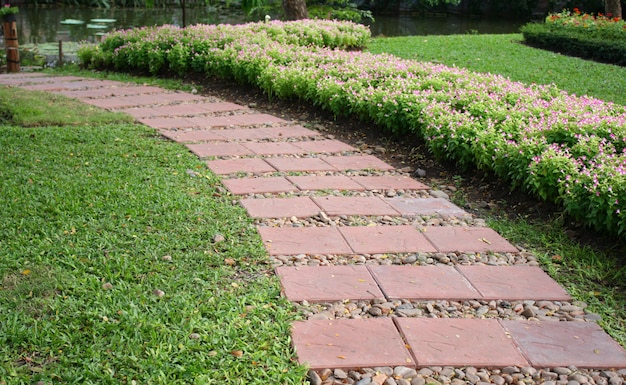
{"type": "Point", "coordinates": [300, 207]}
{"type": "Point", "coordinates": [423, 282]}
{"type": "Point", "coordinates": [553, 344]}
{"type": "Point", "coordinates": [203, 150]}
{"type": "Point", "coordinates": [357, 162]}
{"type": "Point", "coordinates": [328, 283]}
{"type": "Point", "coordinates": [326, 182]}
{"type": "Point", "coordinates": [254, 119]}
{"type": "Point", "coordinates": [467, 239]}
{"type": "Point", "coordinates": [142, 112]}
{"type": "Point", "coordinates": [303, 240]}
{"type": "Point", "coordinates": [231, 166]}
{"type": "Point", "coordinates": [213, 121]}
{"type": "Point", "coordinates": [243, 133]}
{"type": "Point", "coordinates": [388, 182]}
{"type": "Point", "coordinates": [459, 342]}
{"type": "Point", "coordinates": [425, 206]}
{"type": "Point", "coordinates": [514, 283]}
{"type": "Point", "coordinates": [349, 343]}
{"type": "Point", "coordinates": [300, 164]}
{"type": "Point", "coordinates": [166, 123]}
{"type": "Point", "coordinates": [324, 146]}
{"type": "Point", "coordinates": [188, 136]}
{"type": "Point", "coordinates": [113, 103]}
{"type": "Point", "coordinates": [289, 132]}
{"type": "Point", "coordinates": [270, 148]}
{"type": "Point", "coordinates": [222, 107]}
{"type": "Point", "coordinates": [245, 186]}
{"type": "Point", "coordinates": [338, 205]}
{"type": "Point", "coordinates": [185, 109]}
{"type": "Point", "coordinates": [116, 91]}
{"type": "Point", "coordinates": [385, 239]}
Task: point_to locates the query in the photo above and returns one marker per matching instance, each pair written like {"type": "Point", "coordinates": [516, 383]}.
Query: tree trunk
{"type": "Point", "coordinates": [613, 8]}
{"type": "Point", "coordinates": [296, 9]}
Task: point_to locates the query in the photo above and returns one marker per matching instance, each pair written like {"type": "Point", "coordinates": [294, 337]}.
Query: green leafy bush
{"type": "Point", "coordinates": [572, 33]}
{"type": "Point", "coordinates": [563, 148]}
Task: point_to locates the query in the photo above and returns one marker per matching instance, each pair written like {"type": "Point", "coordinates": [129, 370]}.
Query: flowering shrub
{"type": "Point", "coordinates": [574, 33]}
{"type": "Point", "coordinates": [563, 148]}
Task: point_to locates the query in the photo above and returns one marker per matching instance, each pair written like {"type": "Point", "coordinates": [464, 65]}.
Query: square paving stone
{"type": "Point", "coordinates": [357, 162]}
{"type": "Point", "coordinates": [303, 240]}
{"type": "Point", "coordinates": [254, 119]}
{"type": "Point", "coordinates": [552, 344]}
{"type": "Point", "coordinates": [270, 148]}
{"type": "Point", "coordinates": [459, 342]}
{"type": "Point", "coordinates": [324, 146]}
{"type": "Point", "coordinates": [514, 283]}
{"type": "Point", "coordinates": [231, 166]}
{"type": "Point", "coordinates": [300, 164]}
{"type": "Point", "coordinates": [212, 121]}
{"type": "Point", "coordinates": [300, 207]}
{"type": "Point", "coordinates": [467, 239]}
{"type": "Point", "coordinates": [204, 150]}
{"type": "Point", "coordinates": [325, 182]}
{"type": "Point", "coordinates": [328, 283]}
{"type": "Point", "coordinates": [166, 123]}
{"type": "Point", "coordinates": [425, 206]}
{"type": "Point", "coordinates": [221, 107]}
{"type": "Point", "coordinates": [338, 205]}
{"type": "Point", "coordinates": [242, 133]}
{"type": "Point", "coordinates": [349, 343]}
{"type": "Point", "coordinates": [112, 103]}
{"type": "Point", "coordinates": [389, 182]}
{"type": "Point", "coordinates": [385, 239]}
{"type": "Point", "coordinates": [423, 282]}
{"type": "Point", "coordinates": [289, 132]}
{"type": "Point", "coordinates": [187, 136]}
{"type": "Point", "coordinates": [245, 186]}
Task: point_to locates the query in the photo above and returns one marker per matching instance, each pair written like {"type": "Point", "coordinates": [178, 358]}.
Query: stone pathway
{"type": "Point", "coordinates": [388, 273]}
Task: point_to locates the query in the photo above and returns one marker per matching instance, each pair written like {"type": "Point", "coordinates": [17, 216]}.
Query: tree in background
{"type": "Point", "coordinates": [613, 8]}
{"type": "Point", "coordinates": [295, 9]}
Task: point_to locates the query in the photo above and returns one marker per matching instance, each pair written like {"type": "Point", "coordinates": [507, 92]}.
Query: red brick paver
{"type": "Point", "coordinates": [303, 240]}
{"type": "Point", "coordinates": [514, 283]}
{"type": "Point", "coordinates": [552, 344]}
{"type": "Point", "coordinates": [342, 343]}
{"type": "Point", "coordinates": [459, 342]}
{"type": "Point", "coordinates": [423, 283]}
{"type": "Point", "coordinates": [299, 164]}
{"type": "Point", "coordinates": [324, 146]}
{"type": "Point", "coordinates": [356, 162]}
{"type": "Point", "coordinates": [245, 186]}
{"type": "Point", "coordinates": [187, 136]}
{"type": "Point", "coordinates": [385, 239]}
{"type": "Point", "coordinates": [300, 207]}
{"type": "Point", "coordinates": [388, 182]}
{"type": "Point", "coordinates": [328, 283]}
{"type": "Point", "coordinates": [338, 205]}
{"type": "Point", "coordinates": [203, 150]}
{"type": "Point", "coordinates": [467, 239]}
{"type": "Point", "coordinates": [231, 166]}
{"type": "Point", "coordinates": [325, 182]}
{"type": "Point", "coordinates": [425, 206]}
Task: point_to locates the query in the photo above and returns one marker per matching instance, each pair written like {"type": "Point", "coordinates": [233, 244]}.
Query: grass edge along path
{"type": "Point", "coordinates": [121, 261]}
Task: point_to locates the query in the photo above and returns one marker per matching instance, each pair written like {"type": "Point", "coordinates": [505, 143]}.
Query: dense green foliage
{"type": "Point", "coordinates": [110, 272]}
{"type": "Point", "coordinates": [507, 56]}
{"type": "Point", "coordinates": [560, 147]}
{"type": "Point", "coordinates": [573, 33]}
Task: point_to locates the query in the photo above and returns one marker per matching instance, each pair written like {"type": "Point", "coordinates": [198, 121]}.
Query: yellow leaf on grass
{"type": "Point", "coordinates": [26, 272]}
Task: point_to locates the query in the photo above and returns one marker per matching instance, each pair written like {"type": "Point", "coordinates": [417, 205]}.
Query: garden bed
{"type": "Point", "coordinates": [562, 148]}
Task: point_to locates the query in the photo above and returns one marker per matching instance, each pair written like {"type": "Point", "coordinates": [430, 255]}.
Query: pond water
{"type": "Point", "coordinates": [45, 25]}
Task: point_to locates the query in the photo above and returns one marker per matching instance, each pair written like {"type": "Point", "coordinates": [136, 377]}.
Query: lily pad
{"type": "Point", "coordinates": [72, 22]}
{"type": "Point", "coordinates": [103, 20]}
{"type": "Point", "coordinates": [97, 26]}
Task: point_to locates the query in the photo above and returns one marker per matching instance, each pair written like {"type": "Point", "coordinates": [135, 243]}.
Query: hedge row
{"type": "Point", "coordinates": [598, 37]}
{"type": "Point", "coordinates": [575, 43]}
{"type": "Point", "coordinates": [563, 148]}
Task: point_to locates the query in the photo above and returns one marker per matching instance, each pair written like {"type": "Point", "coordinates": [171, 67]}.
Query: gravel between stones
{"type": "Point", "coordinates": [437, 375]}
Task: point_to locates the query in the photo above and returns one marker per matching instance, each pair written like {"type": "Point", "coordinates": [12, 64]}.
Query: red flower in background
{"type": "Point", "coordinates": [577, 11]}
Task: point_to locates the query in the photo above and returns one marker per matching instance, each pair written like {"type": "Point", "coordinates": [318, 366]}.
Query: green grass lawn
{"type": "Point", "coordinates": [507, 56]}
{"type": "Point", "coordinates": [110, 269]}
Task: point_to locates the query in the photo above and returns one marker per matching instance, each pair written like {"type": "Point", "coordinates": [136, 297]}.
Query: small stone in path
{"type": "Point", "coordinates": [218, 238]}
{"type": "Point", "coordinates": [166, 258]}
{"type": "Point", "coordinates": [314, 378]}
{"type": "Point", "coordinates": [420, 173]}
{"type": "Point", "coordinates": [158, 293]}
{"type": "Point", "coordinates": [324, 374]}
{"type": "Point", "coordinates": [194, 336]}
{"type": "Point", "coordinates": [340, 374]}
{"type": "Point", "coordinates": [439, 194]}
